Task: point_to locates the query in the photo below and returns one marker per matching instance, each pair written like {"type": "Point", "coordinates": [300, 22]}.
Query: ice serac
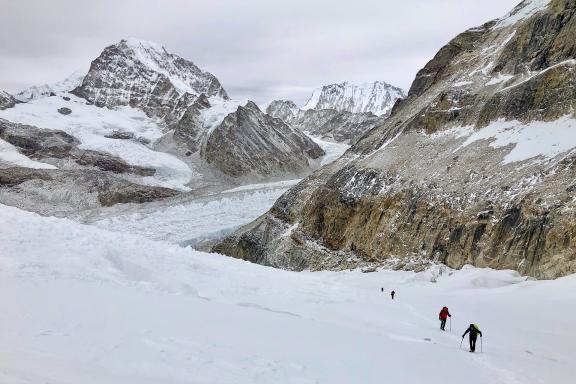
{"type": "Point", "coordinates": [377, 97]}
{"type": "Point", "coordinates": [144, 75]}
{"type": "Point", "coordinates": [477, 165]}
{"type": "Point", "coordinates": [251, 144]}
{"type": "Point", "coordinates": [6, 100]}
{"type": "Point", "coordinates": [339, 126]}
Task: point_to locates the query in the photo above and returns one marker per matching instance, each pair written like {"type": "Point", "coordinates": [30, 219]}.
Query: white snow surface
{"type": "Point", "coordinates": [213, 116]}
{"type": "Point", "coordinates": [331, 149]}
{"type": "Point", "coordinates": [537, 139]}
{"type": "Point", "coordinates": [85, 305]}
{"type": "Point", "coordinates": [499, 79]}
{"type": "Point", "coordinates": [91, 124]}
{"type": "Point", "coordinates": [39, 91]}
{"type": "Point", "coordinates": [523, 11]}
{"type": "Point", "coordinates": [10, 154]}
{"type": "Point", "coordinates": [377, 97]}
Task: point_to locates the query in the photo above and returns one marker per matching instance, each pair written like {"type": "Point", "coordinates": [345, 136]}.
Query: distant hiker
{"type": "Point", "coordinates": [392, 294]}
{"type": "Point", "coordinates": [382, 289]}
{"type": "Point", "coordinates": [444, 314]}
{"type": "Point", "coordinates": [474, 332]}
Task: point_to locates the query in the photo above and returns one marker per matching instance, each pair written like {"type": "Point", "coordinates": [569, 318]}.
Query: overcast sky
{"type": "Point", "coordinates": [259, 49]}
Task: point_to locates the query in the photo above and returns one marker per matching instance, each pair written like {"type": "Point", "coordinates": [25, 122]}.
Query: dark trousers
{"type": "Point", "coordinates": [473, 342]}
{"type": "Point", "coordinates": [442, 323]}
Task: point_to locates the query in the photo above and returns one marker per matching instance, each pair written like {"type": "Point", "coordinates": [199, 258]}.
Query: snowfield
{"type": "Point", "coordinates": [538, 140]}
{"type": "Point", "coordinates": [82, 304]}
{"type": "Point", "coordinates": [91, 124]}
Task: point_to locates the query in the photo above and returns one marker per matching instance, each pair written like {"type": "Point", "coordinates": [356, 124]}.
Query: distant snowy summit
{"type": "Point", "coordinates": [377, 97]}
{"type": "Point", "coordinates": [340, 112]}
{"type": "Point", "coordinates": [39, 91]}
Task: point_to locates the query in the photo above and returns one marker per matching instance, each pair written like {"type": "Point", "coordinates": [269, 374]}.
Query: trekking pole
{"type": "Point", "coordinates": [481, 349]}
{"type": "Point", "coordinates": [450, 324]}
{"type": "Point", "coordinates": [461, 343]}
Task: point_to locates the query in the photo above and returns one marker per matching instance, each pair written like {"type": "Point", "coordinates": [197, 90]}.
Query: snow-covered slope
{"type": "Point", "coordinates": [10, 155]}
{"type": "Point", "coordinates": [522, 11]}
{"type": "Point", "coordinates": [144, 75]}
{"type": "Point", "coordinates": [66, 85]}
{"type": "Point", "coordinates": [377, 97]}
{"type": "Point", "coordinates": [84, 305]}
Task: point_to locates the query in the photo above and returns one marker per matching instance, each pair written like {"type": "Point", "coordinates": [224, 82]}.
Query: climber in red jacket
{"type": "Point", "coordinates": [444, 314]}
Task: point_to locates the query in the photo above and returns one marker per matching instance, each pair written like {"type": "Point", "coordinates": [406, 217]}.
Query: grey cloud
{"type": "Point", "coordinates": [260, 49]}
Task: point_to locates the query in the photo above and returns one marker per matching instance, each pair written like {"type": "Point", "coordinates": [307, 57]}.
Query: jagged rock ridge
{"type": "Point", "coordinates": [339, 126]}
{"type": "Point", "coordinates": [249, 142]}
{"type": "Point", "coordinates": [451, 176]}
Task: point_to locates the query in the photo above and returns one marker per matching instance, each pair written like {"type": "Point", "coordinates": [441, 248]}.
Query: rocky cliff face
{"type": "Point", "coordinates": [476, 166]}
{"type": "Point", "coordinates": [340, 126]}
{"type": "Point", "coordinates": [6, 100]}
{"type": "Point", "coordinates": [377, 97]}
{"type": "Point", "coordinates": [250, 143]}
{"type": "Point", "coordinates": [144, 75]}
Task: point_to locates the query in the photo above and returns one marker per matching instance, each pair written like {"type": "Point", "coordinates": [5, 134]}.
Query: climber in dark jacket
{"type": "Point", "coordinates": [474, 332]}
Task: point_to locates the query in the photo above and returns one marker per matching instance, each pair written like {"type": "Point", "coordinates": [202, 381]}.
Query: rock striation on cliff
{"type": "Point", "coordinates": [476, 166]}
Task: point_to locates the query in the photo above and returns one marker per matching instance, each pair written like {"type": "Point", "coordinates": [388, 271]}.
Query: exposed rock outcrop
{"type": "Point", "coordinates": [190, 129]}
{"type": "Point", "coordinates": [451, 176]}
{"type": "Point", "coordinates": [64, 111]}
{"type": "Point", "coordinates": [6, 100]}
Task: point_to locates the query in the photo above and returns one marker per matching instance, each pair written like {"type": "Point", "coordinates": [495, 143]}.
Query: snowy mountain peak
{"type": "Point", "coordinates": [39, 91]}
{"type": "Point", "coordinates": [135, 43]}
{"type": "Point", "coordinates": [145, 75]}
{"type": "Point", "coordinates": [184, 75]}
{"type": "Point", "coordinates": [377, 97]}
